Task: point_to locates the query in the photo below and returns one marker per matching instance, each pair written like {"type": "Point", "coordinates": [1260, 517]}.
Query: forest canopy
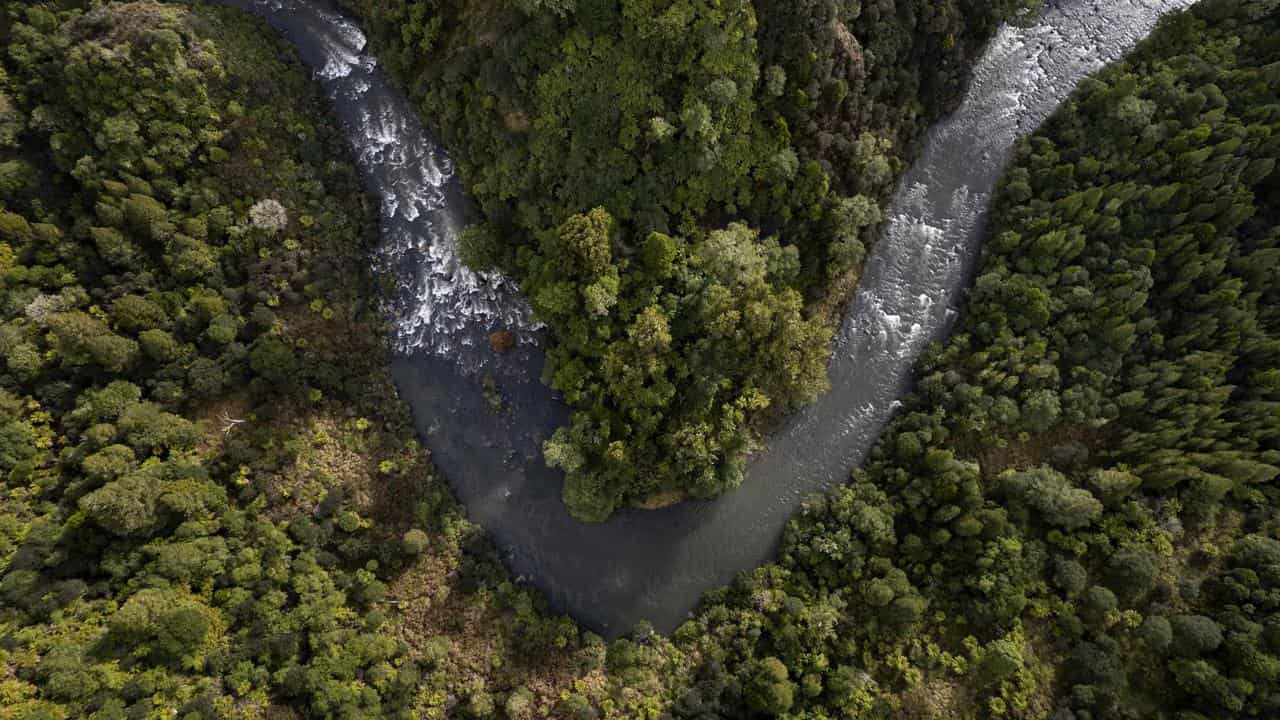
{"type": "Point", "coordinates": [212, 505]}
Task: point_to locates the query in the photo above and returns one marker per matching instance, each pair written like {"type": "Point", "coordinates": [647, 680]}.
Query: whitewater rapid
{"type": "Point", "coordinates": [655, 565]}
{"type": "Point", "coordinates": [442, 307]}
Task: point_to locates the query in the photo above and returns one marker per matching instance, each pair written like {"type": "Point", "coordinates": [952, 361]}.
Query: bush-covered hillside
{"type": "Point", "coordinates": [211, 505]}
{"type": "Point", "coordinates": [684, 189]}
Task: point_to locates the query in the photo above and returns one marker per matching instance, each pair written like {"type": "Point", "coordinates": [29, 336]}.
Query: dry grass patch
{"type": "Point", "coordinates": [479, 634]}
{"type": "Point", "coordinates": [1024, 454]}
{"type": "Point", "coordinates": [940, 696]}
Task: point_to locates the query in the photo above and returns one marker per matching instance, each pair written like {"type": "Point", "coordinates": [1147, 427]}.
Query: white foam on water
{"type": "Point", "coordinates": [1024, 75]}
{"type": "Point", "coordinates": [913, 283]}
{"type": "Point", "coordinates": [444, 307]}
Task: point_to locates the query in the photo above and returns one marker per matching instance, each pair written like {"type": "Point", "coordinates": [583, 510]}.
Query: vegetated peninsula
{"type": "Point", "coordinates": [684, 191]}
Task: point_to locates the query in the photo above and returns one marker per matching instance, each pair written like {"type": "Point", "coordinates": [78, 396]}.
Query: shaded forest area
{"type": "Point", "coordinates": [212, 505]}
{"type": "Point", "coordinates": [684, 190]}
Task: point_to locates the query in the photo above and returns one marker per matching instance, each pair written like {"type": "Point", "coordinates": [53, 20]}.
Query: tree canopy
{"type": "Point", "coordinates": [212, 504]}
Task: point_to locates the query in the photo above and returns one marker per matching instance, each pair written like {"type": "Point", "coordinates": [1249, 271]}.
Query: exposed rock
{"type": "Point", "coordinates": [502, 341]}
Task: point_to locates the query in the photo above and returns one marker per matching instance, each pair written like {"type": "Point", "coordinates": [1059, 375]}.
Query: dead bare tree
{"type": "Point", "coordinates": [229, 423]}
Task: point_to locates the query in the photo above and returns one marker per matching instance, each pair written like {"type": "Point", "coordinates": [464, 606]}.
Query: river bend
{"type": "Point", "coordinates": [655, 565]}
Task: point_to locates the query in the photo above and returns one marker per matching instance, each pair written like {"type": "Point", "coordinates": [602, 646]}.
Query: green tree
{"type": "Point", "coordinates": [767, 688]}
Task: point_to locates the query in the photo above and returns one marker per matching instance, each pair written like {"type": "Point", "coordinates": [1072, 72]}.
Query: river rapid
{"type": "Point", "coordinates": [655, 565]}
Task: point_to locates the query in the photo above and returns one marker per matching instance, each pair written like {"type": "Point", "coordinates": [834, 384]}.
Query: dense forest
{"type": "Point", "coordinates": [1076, 515]}
{"type": "Point", "coordinates": [684, 190]}
{"type": "Point", "coordinates": [207, 484]}
{"type": "Point", "coordinates": [212, 505]}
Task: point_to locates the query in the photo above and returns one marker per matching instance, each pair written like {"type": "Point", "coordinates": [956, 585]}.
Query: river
{"type": "Point", "coordinates": [655, 565]}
